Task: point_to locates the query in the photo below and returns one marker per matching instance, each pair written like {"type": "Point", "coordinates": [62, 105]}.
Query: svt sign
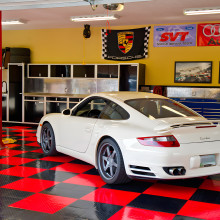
{"type": "Point", "coordinates": [175, 35]}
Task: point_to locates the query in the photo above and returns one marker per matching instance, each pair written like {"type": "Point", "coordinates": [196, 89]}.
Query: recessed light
{"type": "Point", "coordinates": [202, 11]}
{"type": "Point", "coordinates": [12, 22]}
{"type": "Point", "coordinates": [93, 18]}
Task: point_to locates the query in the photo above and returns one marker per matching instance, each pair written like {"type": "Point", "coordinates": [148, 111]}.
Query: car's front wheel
{"type": "Point", "coordinates": [110, 163]}
{"type": "Point", "coordinates": [48, 143]}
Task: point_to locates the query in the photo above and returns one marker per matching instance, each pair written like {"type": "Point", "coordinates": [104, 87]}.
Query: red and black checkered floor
{"type": "Point", "coordinates": [33, 186]}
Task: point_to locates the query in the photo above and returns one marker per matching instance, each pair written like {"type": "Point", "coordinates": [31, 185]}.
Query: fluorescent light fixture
{"type": "Point", "coordinates": [202, 11]}
{"type": "Point", "coordinates": [94, 18]}
{"type": "Point", "coordinates": [12, 22]}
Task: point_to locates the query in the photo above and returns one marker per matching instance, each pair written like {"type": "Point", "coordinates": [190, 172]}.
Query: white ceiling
{"type": "Point", "coordinates": [41, 14]}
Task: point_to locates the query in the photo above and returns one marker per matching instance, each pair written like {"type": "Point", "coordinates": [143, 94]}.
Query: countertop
{"type": "Point", "coordinates": [56, 95]}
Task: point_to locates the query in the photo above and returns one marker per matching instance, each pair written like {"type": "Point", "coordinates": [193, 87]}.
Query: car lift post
{"type": "Point", "coordinates": [1, 143]}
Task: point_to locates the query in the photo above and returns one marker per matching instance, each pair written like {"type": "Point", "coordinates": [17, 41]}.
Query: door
{"type": "Point", "coordinates": [76, 130]}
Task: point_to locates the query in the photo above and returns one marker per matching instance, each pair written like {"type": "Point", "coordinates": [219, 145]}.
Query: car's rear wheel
{"type": "Point", "coordinates": [110, 162]}
{"type": "Point", "coordinates": [48, 143]}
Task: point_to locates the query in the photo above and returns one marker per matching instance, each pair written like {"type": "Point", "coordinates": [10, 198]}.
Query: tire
{"type": "Point", "coordinates": [48, 143]}
{"type": "Point", "coordinates": [110, 163]}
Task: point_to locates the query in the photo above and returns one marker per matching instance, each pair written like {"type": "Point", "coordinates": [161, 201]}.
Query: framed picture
{"type": "Point", "coordinates": [193, 72]}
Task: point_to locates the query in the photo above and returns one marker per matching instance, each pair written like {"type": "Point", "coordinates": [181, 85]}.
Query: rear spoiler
{"type": "Point", "coordinates": [168, 127]}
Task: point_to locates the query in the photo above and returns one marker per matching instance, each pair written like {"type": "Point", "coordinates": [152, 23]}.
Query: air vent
{"type": "Point", "coordinates": [139, 170]}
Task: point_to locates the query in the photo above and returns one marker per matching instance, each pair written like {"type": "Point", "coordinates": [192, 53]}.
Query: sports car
{"type": "Point", "coordinates": [128, 135]}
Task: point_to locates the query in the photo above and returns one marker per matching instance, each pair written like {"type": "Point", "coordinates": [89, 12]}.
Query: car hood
{"type": "Point", "coordinates": [189, 129]}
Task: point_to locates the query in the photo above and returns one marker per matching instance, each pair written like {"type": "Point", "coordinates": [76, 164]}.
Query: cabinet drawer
{"type": "Point", "coordinates": [34, 98]}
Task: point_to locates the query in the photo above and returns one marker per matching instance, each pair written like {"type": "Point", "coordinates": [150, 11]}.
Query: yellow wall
{"type": "Point", "coordinates": [66, 46]}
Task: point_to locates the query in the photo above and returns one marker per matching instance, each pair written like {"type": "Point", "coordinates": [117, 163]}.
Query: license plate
{"type": "Point", "coordinates": [207, 160]}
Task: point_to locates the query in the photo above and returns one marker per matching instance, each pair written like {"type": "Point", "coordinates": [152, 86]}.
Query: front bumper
{"type": "Point", "coordinates": [149, 162]}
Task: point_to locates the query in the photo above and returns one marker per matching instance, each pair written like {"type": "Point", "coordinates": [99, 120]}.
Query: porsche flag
{"type": "Point", "coordinates": [125, 45]}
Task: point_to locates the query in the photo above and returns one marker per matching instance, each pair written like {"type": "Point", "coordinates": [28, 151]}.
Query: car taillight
{"type": "Point", "coordinates": [159, 141]}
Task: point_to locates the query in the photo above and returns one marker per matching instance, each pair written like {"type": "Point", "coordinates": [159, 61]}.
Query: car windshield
{"type": "Point", "coordinates": [160, 108]}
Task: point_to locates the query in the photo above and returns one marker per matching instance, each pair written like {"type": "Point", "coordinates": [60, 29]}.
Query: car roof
{"type": "Point", "coordinates": [123, 96]}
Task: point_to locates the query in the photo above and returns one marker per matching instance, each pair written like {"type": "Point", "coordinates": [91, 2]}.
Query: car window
{"type": "Point", "coordinates": [90, 108]}
{"type": "Point", "coordinates": [160, 108]}
{"type": "Point", "coordinates": [113, 111]}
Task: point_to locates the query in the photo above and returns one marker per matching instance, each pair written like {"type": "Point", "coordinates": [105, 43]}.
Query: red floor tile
{"type": "Point", "coordinates": [34, 144]}
{"type": "Point", "coordinates": [86, 180]}
{"type": "Point", "coordinates": [21, 171]}
{"type": "Point", "coordinates": [111, 196]}
{"type": "Point", "coordinates": [60, 158]}
{"type": "Point", "coordinates": [43, 203]}
{"type": "Point", "coordinates": [211, 185]}
{"type": "Point", "coordinates": [12, 145]}
{"type": "Point", "coordinates": [75, 168]}
{"type": "Point", "coordinates": [30, 185]}
{"type": "Point", "coordinates": [19, 127]}
{"type": "Point", "coordinates": [9, 152]}
{"type": "Point", "coordinates": [201, 210]}
{"type": "Point", "coordinates": [37, 151]}
{"type": "Point", "coordinates": [29, 139]}
{"type": "Point", "coordinates": [15, 160]}
{"type": "Point", "coordinates": [128, 213]}
{"type": "Point", "coordinates": [24, 134]}
{"type": "Point", "coordinates": [166, 190]}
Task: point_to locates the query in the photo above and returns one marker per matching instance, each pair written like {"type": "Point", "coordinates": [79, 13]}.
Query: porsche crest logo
{"type": "Point", "coordinates": [125, 41]}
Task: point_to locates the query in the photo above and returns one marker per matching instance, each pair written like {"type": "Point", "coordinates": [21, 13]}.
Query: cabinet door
{"type": "Point", "coordinates": [38, 70]}
{"type": "Point", "coordinates": [84, 71]}
{"type": "Point", "coordinates": [128, 78]}
{"type": "Point", "coordinates": [107, 71]}
{"type": "Point", "coordinates": [15, 92]}
{"type": "Point", "coordinates": [55, 107]}
{"type": "Point", "coordinates": [34, 111]}
{"type": "Point", "coordinates": [60, 70]}
{"type": "Point", "coordinates": [4, 108]}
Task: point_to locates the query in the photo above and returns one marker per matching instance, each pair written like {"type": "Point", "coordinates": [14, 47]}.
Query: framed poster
{"type": "Point", "coordinates": [193, 72]}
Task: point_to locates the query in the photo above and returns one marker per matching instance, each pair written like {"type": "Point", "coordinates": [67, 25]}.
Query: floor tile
{"type": "Point", "coordinates": [111, 196]}
{"type": "Point", "coordinates": [129, 213]}
{"type": "Point", "coordinates": [75, 168]}
{"type": "Point", "coordinates": [30, 185]}
{"type": "Point", "coordinates": [201, 210]}
{"type": "Point", "coordinates": [179, 192]}
{"type": "Point", "coordinates": [43, 203]}
{"type": "Point", "coordinates": [86, 180]}
{"type": "Point", "coordinates": [69, 190]}
{"type": "Point", "coordinates": [211, 185]}
{"type": "Point", "coordinates": [158, 203]}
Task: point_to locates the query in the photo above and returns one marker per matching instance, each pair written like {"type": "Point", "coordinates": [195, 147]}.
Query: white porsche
{"type": "Point", "coordinates": [129, 135]}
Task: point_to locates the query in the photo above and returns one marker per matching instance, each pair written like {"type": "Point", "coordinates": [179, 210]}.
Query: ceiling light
{"type": "Point", "coordinates": [94, 18]}
{"type": "Point", "coordinates": [12, 22]}
{"type": "Point", "coordinates": [202, 11]}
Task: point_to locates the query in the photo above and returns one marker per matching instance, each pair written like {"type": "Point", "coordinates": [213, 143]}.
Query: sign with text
{"type": "Point", "coordinates": [175, 35]}
{"type": "Point", "coordinates": [208, 34]}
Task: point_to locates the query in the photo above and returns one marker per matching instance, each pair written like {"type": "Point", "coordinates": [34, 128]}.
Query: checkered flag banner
{"type": "Point", "coordinates": [125, 45]}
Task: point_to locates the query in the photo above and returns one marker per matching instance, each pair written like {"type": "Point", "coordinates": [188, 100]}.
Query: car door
{"type": "Point", "coordinates": [76, 129]}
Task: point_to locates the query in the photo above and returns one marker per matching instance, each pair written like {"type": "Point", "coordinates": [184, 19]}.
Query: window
{"type": "Point", "coordinates": [114, 112]}
{"type": "Point", "coordinates": [90, 108]}
{"type": "Point", "coordinates": [160, 108]}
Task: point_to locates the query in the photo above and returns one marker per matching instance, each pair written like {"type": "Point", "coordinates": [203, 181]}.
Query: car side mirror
{"type": "Point", "coordinates": [66, 111]}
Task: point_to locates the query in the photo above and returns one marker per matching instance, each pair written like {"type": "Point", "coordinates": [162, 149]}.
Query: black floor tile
{"type": "Point", "coordinates": [92, 171]}
{"type": "Point", "coordinates": [25, 148]}
{"type": "Point", "coordinates": [69, 190]}
{"type": "Point", "coordinates": [53, 175]}
{"type": "Point", "coordinates": [180, 217]}
{"type": "Point", "coordinates": [89, 210]}
{"type": "Point", "coordinates": [76, 161]}
{"type": "Point", "coordinates": [214, 177]}
{"type": "Point", "coordinates": [42, 164]}
{"type": "Point", "coordinates": [193, 182]}
{"type": "Point", "coordinates": [158, 203]}
{"type": "Point", "coordinates": [8, 179]}
{"type": "Point", "coordinates": [31, 155]}
{"type": "Point", "coordinates": [133, 186]}
{"type": "Point", "coordinates": [5, 166]}
{"type": "Point", "coordinates": [208, 196]}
